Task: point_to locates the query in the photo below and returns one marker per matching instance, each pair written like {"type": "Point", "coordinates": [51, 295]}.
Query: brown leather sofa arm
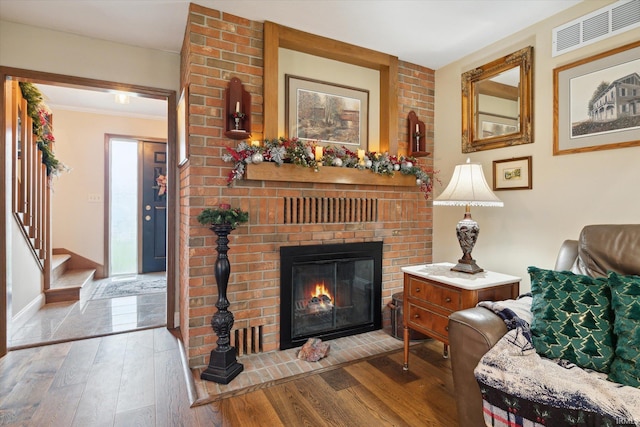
{"type": "Point", "coordinates": [472, 332]}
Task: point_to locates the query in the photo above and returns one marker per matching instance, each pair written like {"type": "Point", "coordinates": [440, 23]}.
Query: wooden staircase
{"type": "Point", "coordinates": [64, 273]}
{"type": "Point", "coordinates": [66, 282]}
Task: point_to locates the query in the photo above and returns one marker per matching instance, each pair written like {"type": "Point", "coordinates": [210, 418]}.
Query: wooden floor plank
{"type": "Point", "coordinates": [329, 404]}
{"type": "Point", "coordinates": [291, 407]}
{"type": "Point", "coordinates": [137, 417]}
{"type": "Point", "coordinates": [208, 415]}
{"type": "Point", "coordinates": [13, 368]}
{"type": "Point", "coordinates": [339, 379]}
{"type": "Point", "coordinates": [140, 344]}
{"type": "Point", "coordinates": [388, 367]}
{"type": "Point", "coordinates": [171, 397]}
{"type": "Point", "coordinates": [415, 410]}
{"type": "Point", "coordinates": [137, 385]}
{"type": "Point", "coordinates": [111, 349]}
{"type": "Point", "coordinates": [251, 409]}
{"type": "Point", "coordinates": [97, 407]}
{"type": "Point", "coordinates": [429, 364]}
{"type": "Point", "coordinates": [24, 397]}
{"type": "Point", "coordinates": [379, 413]}
{"type": "Point", "coordinates": [58, 406]}
{"type": "Point", "coordinates": [77, 364]}
{"type": "Point", "coordinates": [429, 358]}
{"type": "Point", "coordinates": [440, 383]}
{"type": "Point", "coordinates": [164, 340]}
{"type": "Point", "coordinates": [15, 365]}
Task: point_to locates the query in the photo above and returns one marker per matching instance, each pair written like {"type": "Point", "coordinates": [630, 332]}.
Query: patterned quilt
{"type": "Point", "coordinates": [520, 388]}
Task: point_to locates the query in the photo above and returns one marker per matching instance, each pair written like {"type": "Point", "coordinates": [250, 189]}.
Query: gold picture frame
{"type": "Point", "coordinates": [595, 102]}
{"type": "Point", "coordinates": [502, 89]}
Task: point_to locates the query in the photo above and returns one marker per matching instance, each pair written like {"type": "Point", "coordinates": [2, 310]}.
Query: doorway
{"type": "Point", "coordinates": [8, 74]}
{"type": "Point", "coordinates": [137, 205]}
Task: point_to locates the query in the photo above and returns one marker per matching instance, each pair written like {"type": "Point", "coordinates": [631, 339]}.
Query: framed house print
{"type": "Point", "coordinates": [597, 102]}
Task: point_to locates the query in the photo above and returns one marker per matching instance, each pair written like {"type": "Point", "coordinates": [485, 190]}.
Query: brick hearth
{"type": "Point", "coordinates": [267, 369]}
{"type": "Point", "coordinates": [217, 47]}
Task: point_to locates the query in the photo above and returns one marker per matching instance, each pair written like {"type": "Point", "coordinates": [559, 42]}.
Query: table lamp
{"type": "Point", "coordinates": [467, 187]}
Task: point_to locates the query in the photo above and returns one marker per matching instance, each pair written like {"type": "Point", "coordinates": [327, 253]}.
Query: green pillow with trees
{"type": "Point", "coordinates": [572, 318]}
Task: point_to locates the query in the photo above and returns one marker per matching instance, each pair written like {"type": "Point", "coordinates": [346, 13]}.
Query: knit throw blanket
{"type": "Point", "coordinates": [520, 388]}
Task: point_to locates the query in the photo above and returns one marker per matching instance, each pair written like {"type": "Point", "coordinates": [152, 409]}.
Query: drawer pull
{"type": "Point", "coordinates": [416, 316]}
{"type": "Point", "coordinates": [417, 290]}
{"type": "Point", "coordinates": [447, 299]}
{"type": "Point", "coordinates": [446, 328]}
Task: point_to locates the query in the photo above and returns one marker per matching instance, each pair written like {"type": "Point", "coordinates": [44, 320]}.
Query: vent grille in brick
{"type": "Point", "coordinates": [315, 210]}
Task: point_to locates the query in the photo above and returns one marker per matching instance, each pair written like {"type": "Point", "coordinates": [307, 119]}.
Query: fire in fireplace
{"type": "Point", "coordinates": [329, 291]}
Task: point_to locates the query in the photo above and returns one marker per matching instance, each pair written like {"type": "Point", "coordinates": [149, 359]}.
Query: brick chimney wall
{"type": "Point", "coordinates": [220, 46]}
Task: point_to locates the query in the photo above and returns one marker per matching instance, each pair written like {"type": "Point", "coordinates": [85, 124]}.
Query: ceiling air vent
{"type": "Point", "coordinates": [608, 21]}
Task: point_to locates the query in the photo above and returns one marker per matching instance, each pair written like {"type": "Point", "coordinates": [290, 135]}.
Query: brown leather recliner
{"type": "Point", "coordinates": [472, 332]}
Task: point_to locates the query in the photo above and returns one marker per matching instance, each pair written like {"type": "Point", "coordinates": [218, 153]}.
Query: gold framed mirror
{"type": "Point", "coordinates": [497, 103]}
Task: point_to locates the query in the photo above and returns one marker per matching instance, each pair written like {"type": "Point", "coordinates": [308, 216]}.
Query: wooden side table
{"type": "Point", "coordinates": [432, 292]}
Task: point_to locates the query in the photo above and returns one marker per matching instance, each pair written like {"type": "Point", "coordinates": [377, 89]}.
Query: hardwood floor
{"type": "Point", "coordinates": [138, 379]}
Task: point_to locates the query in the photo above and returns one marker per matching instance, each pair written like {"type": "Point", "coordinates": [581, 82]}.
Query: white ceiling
{"type": "Point", "coordinates": [431, 33]}
{"type": "Point", "coordinates": [90, 101]}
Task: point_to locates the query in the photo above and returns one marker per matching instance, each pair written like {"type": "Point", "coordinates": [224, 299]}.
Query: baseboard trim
{"type": "Point", "coordinates": [23, 316]}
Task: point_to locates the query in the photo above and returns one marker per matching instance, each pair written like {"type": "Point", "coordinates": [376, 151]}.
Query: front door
{"type": "Point", "coordinates": [154, 207]}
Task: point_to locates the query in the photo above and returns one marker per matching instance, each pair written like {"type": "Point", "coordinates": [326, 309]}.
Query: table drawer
{"type": "Point", "coordinates": [429, 321]}
{"type": "Point", "coordinates": [447, 298]}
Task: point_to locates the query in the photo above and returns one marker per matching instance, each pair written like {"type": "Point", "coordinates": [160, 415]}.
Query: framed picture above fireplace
{"type": "Point", "coordinates": [327, 113]}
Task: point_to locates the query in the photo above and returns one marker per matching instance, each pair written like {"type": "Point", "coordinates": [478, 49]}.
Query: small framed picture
{"type": "Point", "coordinates": [512, 174]}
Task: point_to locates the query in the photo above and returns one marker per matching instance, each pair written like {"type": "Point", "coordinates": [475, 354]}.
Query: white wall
{"type": "Point", "coordinates": [569, 191]}
{"type": "Point", "coordinates": [77, 223]}
{"type": "Point", "coordinates": [27, 277]}
{"type": "Point", "coordinates": [32, 48]}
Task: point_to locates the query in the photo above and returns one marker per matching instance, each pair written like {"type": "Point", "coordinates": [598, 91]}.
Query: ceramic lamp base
{"type": "Point", "coordinates": [467, 231]}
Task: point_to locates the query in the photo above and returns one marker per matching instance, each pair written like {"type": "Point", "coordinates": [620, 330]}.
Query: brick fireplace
{"type": "Point", "coordinates": [217, 47]}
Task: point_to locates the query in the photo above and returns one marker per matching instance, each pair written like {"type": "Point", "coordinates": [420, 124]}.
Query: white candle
{"type": "Point", "coordinates": [360, 154]}
{"type": "Point", "coordinates": [237, 106]}
{"type": "Point", "coordinates": [318, 154]}
{"type": "Point", "coordinates": [417, 128]}
{"type": "Point", "coordinates": [255, 143]}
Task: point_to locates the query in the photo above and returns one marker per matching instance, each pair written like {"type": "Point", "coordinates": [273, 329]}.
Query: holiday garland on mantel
{"type": "Point", "coordinates": [42, 130]}
{"type": "Point", "coordinates": [284, 150]}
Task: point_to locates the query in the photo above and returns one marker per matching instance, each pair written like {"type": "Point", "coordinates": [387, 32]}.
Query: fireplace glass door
{"type": "Point", "coordinates": [329, 295]}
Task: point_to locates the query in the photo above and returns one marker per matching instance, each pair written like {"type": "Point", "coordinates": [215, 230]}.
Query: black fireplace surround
{"type": "Point", "coordinates": [329, 291]}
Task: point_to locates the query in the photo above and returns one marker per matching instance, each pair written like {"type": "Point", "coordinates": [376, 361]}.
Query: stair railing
{"type": "Point", "coordinates": [31, 191]}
